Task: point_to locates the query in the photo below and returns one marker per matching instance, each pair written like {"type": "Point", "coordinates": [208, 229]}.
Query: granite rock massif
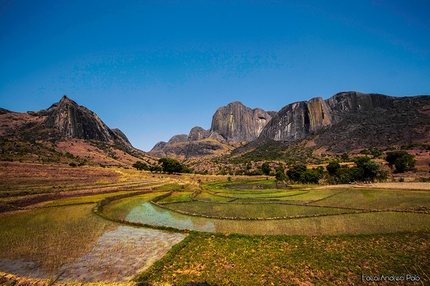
{"type": "Point", "coordinates": [64, 119]}
{"type": "Point", "coordinates": [345, 121]}
{"type": "Point", "coordinates": [231, 124]}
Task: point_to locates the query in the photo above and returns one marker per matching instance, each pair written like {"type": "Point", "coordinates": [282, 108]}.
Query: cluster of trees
{"type": "Point", "coordinates": [142, 166]}
{"type": "Point", "coordinates": [167, 165]}
{"type": "Point", "coordinates": [364, 170]}
{"type": "Point", "coordinates": [401, 160]}
{"type": "Point", "coordinates": [299, 173]}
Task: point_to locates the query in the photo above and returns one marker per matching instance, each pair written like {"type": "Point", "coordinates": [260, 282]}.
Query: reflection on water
{"type": "Point", "coordinates": [324, 225]}
{"type": "Point", "coordinates": [150, 214]}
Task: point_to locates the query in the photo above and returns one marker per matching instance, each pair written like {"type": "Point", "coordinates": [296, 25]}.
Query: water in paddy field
{"type": "Point", "coordinates": [324, 225]}
{"type": "Point", "coordinates": [153, 215]}
{"type": "Point", "coordinates": [119, 255]}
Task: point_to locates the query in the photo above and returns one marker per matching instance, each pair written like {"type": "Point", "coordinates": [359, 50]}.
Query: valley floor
{"type": "Point", "coordinates": [51, 234]}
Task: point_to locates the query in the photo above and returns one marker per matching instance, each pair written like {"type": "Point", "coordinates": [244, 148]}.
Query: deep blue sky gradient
{"type": "Point", "coordinates": [158, 68]}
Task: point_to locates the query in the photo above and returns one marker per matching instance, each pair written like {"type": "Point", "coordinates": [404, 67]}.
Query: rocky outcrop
{"type": "Point", "coordinates": [238, 123]}
{"type": "Point", "coordinates": [352, 120]}
{"type": "Point", "coordinates": [297, 120]}
{"type": "Point", "coordinates": [178, 138]}
{"type": "Point", "coordinates": [198, 133]}
{"type": "Point", "coordinates": [65, 119]}
{"type": "Point", "coordinates": [230, 124]}
{"type": "Point", "coordinates": [159, 146]}
{"type": "Point", "coordinates": [74, 121]}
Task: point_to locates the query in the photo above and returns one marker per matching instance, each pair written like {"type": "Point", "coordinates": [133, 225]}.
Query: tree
{"type": "Point", "coordinates": [295, 171]}
{"type": "Point", "coordinates": [405, 163]}
{"type": "Point", "coordinates": [155, 168]}
{"type": "Point", "coordinates": [265, 168]}
{"type": "Point", "coordinates": [140, 166]}
{"type": "Point", "coordinates": [280, 177]}
{"type": "Point", "coordinates": [332, 167]}
{"type": "Point", "coordinates": [310, 176]}
{"type": "Point", "coordinates": [393, 156]}
{"type": "Point", "coordinates": [170, 165]}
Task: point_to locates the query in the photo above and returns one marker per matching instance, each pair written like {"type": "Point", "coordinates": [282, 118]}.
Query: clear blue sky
{"type": "Point", "coordinates": [158, 68]}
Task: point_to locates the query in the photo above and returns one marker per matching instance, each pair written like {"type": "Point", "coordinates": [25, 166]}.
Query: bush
{"type": "Point", "coordinates": [405, 163]}
{"type": "Point", "coordinates": [332, 168]}
{"type": "Point", "coordinates": [310, 176]}
{"type": "Point", "coordinates": [295, 172]}
{"type": "Point", "coordinates": [140, 166]}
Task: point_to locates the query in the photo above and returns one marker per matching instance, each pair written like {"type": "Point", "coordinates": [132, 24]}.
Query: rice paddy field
{"type": "Point", "coordinates": [223, 233]}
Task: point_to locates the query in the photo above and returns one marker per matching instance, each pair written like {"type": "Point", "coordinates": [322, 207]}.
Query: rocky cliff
{"type": "Point", "coordinates": [297, 120]}
{"type": "Point", "coordinates": [238, 123]}
{"type": "Point", "coordinates": [344, 122]}
{"type": "Point", "coordinates": [71, 120]}
{"type": "Point", "coordinates": [231, 124]}
{"type": "Point", "coordinates": [64, 119]}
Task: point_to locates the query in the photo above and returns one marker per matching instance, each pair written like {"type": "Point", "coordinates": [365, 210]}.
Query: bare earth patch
{"type": "Point", "coordinates": [119, 255]}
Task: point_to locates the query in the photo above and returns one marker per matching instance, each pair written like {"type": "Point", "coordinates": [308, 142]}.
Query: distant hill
{"type": "Point", "coordinates": [231, 125]}
{"type": "Point", "coordinates": [64, 132]}
{"type": "Point", "coordinates": [344, 122]}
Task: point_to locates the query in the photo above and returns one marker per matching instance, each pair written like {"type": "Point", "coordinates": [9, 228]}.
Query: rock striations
{"type": "Point", "coordinates": [238, 123]}
{"type": "Point", "coordinates": [234, 123]}
{"type": "Point", "coordinates": [67, 119]}
{"type": "Point", "coordinates": [342, 122]}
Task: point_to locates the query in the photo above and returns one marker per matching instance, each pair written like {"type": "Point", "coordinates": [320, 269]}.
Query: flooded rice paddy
{"type": "Point", "coordinates": [120, 254]}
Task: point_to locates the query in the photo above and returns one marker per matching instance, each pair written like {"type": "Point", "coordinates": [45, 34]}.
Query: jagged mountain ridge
{"type": "Point", "coordinates": [71, 120]}
{"type": "Point", "coordinates": [231, 124]}
{"type": "Point", "coordinates": [65, 127]}
{"type": "Point", "coordinates": [345, 121]}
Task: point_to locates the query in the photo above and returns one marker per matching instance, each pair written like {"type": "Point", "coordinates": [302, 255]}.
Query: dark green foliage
{"type": "Point", "coordinates": [140, 166]}
{"type": "Point", "coordinates": [345, 157]}
{"type": "Point", "coordinates": [295, 172]}
{"type": "Point", "coordinates": [401, 160]}
{"type": "Point", "coordinates": [332, 168]}
{"type": "Point", "coordinates": [265, 168]}
{"type": "Point", "coordinates": [280, 176]}
{"type": "Point", "coordinates": [405, 163]}
{"type": "Point", "coordinates": [364, 170]}
{"type": "Point", "coordinates": [155, 168]}
{"type": "Point", "coordinates": [310, 176]}
{"type": "Point", "coordinates": [393, 156]}
{"type": "Point", "coordinates": [367, 169]}
{"type": "Point", "coordinates": [171, 166]}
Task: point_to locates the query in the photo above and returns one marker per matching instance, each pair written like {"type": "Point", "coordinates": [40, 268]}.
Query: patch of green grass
{"type": "Point", "coordinates": [292, 260]}
{"type": "Point", "coordinates": [233, 210]}
{"type": "Point", "coordinates": [176, 197]}
{"type": "Point", "coordinates": [209, 197]}
{"type": "Point", "coordinates": [84, 199]}
{"type": "Point", "coordinates": [379, 199]}
{"type": "Point", "coordinates": [169, 187]}
{"type": "Point", "coordinates": [50, 237]}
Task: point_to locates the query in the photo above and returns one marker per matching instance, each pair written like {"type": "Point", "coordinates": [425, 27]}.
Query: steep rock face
{"type": "Point", "coordinates": [198, 133]}
{"type": "Point", "coordinates": [158, 147]}
{"type": "Point", "coordinates": [237, 123]}
{"type": "Point", "coordinates": [69, 120]}
{"type": "Point", "coordinates": [74, 121]}
{"type": "Point", "coordinates": [178, 138]}
{"type": "Point", "coordinates": [298, 119]}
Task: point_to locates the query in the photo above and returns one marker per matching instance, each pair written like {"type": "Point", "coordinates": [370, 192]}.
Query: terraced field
{"type": "Point", "coordinates": [262, 209]}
